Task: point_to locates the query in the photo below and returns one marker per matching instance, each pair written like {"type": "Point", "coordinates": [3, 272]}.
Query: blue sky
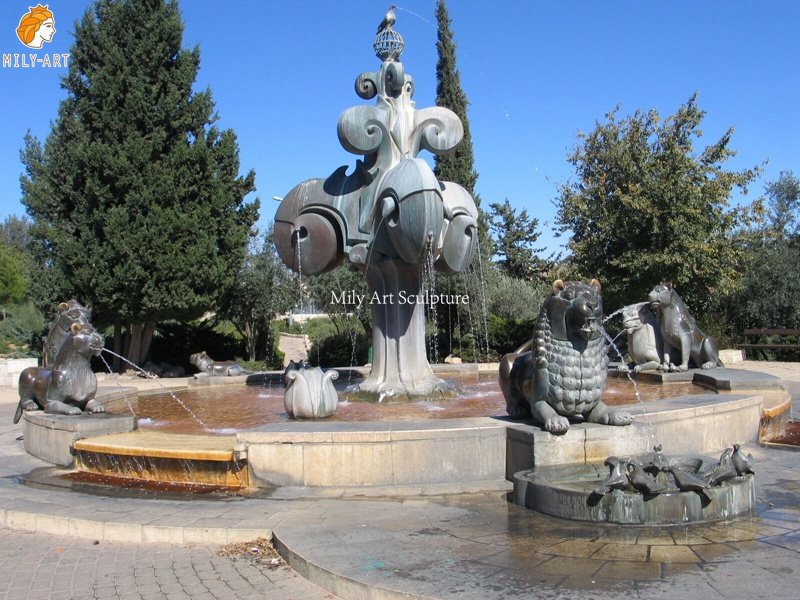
{"type": "Point", "coordinates": [535, 73]}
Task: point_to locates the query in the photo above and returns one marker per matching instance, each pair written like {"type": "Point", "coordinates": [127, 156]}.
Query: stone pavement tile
{"type": "Point", "coordinates": [573, 548]}
{"type": "Point", "coordinates": [688, 536]}
{"type": "Point", "coordinates": [728, 534]}
{"type": "Point", "coordinates": [618, 535]}
{"type": "Point", "coordinates": [672, 554]}
{"type": "Point", "coordinates": [754, 549]}
{"type": "Point", "coordinates": [631, 552]}
{"type": "Point", "coordinates": [508, 559]}
{"type": "Point", "coordinates": [789, 541]}
{"type": "Point", "coordinates": [655, 538]}
{"type": "Point", "coordinates": [714, 552]}
{"type": "Point", "coordinates": [633, 571]}
{"type": "Point", "coordinates": [685, 587]}
{"type": "Point", "coordinates": [743, 579]}
{"type": "Point", "coordinates": [580, 567]}
{"type": "Point", "coordinates": [594, 587]}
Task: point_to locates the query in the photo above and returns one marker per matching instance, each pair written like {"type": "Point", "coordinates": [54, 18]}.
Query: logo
{"type": "Point", "coordinates": [36, 27]}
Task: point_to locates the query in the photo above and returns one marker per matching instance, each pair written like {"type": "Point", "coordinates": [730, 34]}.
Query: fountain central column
{"type": "Point", "coordinates": [388, 218]}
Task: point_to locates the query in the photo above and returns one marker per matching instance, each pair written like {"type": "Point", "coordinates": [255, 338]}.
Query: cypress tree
{"type": "Point", "coordinates": [458, 166]}
{"type": "Point", "coordinates": [136, 199]}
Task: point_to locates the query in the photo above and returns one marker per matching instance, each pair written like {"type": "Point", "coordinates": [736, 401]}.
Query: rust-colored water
{"type": "Point", "coordinates": [791, 436]}
{"type": "Point", "coordinates": [228, 409]}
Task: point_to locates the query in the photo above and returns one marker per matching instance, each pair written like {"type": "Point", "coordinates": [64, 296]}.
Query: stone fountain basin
{"type": "Point", "coordinates": [417, 456]}
{"type": "Point", "coordinates": [565, 491]}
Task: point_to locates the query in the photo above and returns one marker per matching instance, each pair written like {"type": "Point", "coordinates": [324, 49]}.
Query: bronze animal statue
{"type": "Point", "coordinates": [205, 364]}
{"type": "Point", "coordinates": [68, 313]}
{"type": "Point", "coordinates": [564, 373]}
{"type": "Point", "coordinates": [69, 386]}
{"type": "Point", "coordinates": [683, 340]}
{"type": "Point", "coordinates": [644, 337]}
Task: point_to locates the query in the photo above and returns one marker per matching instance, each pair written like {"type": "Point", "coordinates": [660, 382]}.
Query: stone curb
{"type": "Point", "coordinates": [135, 533]}
{"type": "Point", "coordinates": [340, 585]}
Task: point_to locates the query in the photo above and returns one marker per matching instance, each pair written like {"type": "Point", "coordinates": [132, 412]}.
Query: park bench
{"type": "Point", "coordinates": [777, 339]}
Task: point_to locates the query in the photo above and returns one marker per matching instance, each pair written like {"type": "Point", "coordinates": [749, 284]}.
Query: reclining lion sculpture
{"type": "Point", "coordinates": [564, 373]}
{"type": "Point", "coordinates": [205, 364]}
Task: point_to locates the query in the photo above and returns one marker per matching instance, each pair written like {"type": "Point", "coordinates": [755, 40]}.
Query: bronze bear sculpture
{"type": "Point", "coordinates": [564, 373]}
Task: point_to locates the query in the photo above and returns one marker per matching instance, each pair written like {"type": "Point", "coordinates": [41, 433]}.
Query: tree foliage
{"type": "Point", "coordinates": [457, 166]}
{"type": "Point", "coordinates": [515, 236]}
{"type": "Point", "coordinates": [136, 199]}
{"type": "Point", "coordinates": [263, 290]}
{"type": "Point", "coordinates": [13, 284]}
{"type": "Point", "coordinates": [783, 204]}
{"type": "Point", "coordinates": [645, 207]}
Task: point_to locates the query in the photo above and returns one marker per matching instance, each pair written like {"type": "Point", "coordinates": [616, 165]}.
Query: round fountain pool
{"type": "Point", "coordinates": [225, 410]}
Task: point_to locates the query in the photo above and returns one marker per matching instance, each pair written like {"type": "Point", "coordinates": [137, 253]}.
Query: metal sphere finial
{"type": "Point", "coordinates": [388, 45]}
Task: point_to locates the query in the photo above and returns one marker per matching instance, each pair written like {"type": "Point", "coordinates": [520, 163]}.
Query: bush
{"type": "Point", "coordinates": [23, 330]}
{"type": "Point", "coordinates": [338, 350]}
{"type": "Point", "coordinates": [174, 342]}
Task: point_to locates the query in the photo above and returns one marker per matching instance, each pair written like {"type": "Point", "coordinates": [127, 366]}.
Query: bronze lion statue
{"type": "Point", "coordinates": [69, 385]}
{"type": "Point", "coordinates": [683, 340]}
{"type": "Point", "coordinates": [564, 373]}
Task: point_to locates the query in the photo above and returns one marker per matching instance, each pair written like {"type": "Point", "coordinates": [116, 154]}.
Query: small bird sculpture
{"type": "Point", "coordinates": [741, 462]}
{"type": "Point", "coordinates": [642, 481]}
{"type": "Point", "coordinates": [688, 482]}
{"type": "Point", "coordinates": [388, 20]}
{"type": "Point", "coordinates": [617, 478]}
{"type": "Point", "coordinates": [724, 470]}
{"type": "Point", "coordinates": [655, 462]}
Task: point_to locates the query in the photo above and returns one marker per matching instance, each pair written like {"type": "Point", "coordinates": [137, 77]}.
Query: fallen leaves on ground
{"type": "Point", "coordinates": [260, 551]}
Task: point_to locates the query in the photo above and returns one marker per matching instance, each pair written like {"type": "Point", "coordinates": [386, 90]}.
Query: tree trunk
{"type": "Point", "coordinates": [117, 364]}
{"type": "Point", "coordinates": [135, 342]}
{"type": "Point", "coordinates": [250, 340]}
{"type": "Point", "coordinates": [147, 340]}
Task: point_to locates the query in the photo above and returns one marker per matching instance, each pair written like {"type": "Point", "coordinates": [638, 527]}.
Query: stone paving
{"type": "Point", "coordinates": [61, 544]}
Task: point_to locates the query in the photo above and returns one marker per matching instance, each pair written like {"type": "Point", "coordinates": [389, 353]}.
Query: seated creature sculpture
{"type": "Point", "coordinates": [564, 373]}
{"type": "Point", "coordinates": [69, 385]}
{"type": "Point", "coordinates": [205, 364]}
{"type": "Point", "coordinates": [644, 337]}
{"type": "Point", "coordinates": [684, 341]}
{"type": "Point", "coordinates": [68, 313]}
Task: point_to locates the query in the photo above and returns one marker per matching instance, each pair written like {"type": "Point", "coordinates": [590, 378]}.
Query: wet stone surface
{"type": "Point", "coordinates": [482, 546]}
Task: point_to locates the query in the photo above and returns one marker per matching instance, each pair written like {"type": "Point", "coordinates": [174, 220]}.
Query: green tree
{"type": "Point", "coordinates": [646, 208]}
{"type": "Point", "coordinates": [515, 236]}
{"type": "Point", "coordinates": [263, 290]}
{"type": "Point", "coordinates": [457, 166]}
{"type": "Point", "coordinates": [783, 204]}
{"type": "Point", "coordinates": [13, 285]}
{"type": "Point", "coordinates": [15, 233]}
{"type": "Point", "coordinates": [136, 199]}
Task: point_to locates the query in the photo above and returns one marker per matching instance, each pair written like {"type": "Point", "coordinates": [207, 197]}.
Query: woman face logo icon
{"type": "Point", "coordinates": [36, 27]}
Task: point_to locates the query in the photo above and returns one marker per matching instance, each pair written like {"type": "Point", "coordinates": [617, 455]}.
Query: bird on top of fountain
{"type": "Point", "coordinates": [687, 482]}
{"type": "Point", "coordinates": [642, 481]}
{"type": "Point", "coordinates": [617, 478]}
{"type": "Point", "coordinates": [741, 462]}
{"type": "Point", "coordinates": [724, 470]}
{"type": "Point", "coordinates": [388, 20]}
